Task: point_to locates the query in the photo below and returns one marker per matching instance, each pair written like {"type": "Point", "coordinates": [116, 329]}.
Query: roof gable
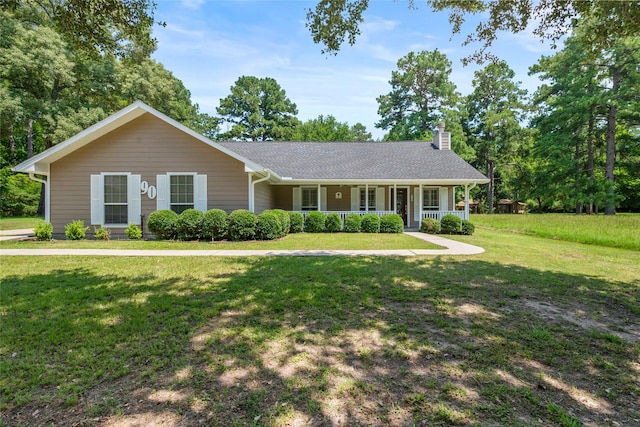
{"type": "Point", "coordinates": [39, 163]}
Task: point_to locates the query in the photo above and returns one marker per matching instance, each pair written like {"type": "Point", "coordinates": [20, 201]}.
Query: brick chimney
{"type": "Point", "coordinates": [443, 139]}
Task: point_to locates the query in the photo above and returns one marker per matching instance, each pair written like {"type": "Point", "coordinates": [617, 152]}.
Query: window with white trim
{"type": "Point", "coordinates": [309, 199]}
{"type": "Point", "coordinates": [181, 193]}
{"type": "Point", "coordinates": [116, 206]}
{"type": "Point", "coordinates": [431, 199]}
{"type": "Point", "coordinates": [372, 198]}
{"type": "Point", "coordinates": [115, 199]}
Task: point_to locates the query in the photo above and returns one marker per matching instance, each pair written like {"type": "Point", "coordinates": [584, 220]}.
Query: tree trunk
{"type": "Point", "coordinates": [590, 163]}
{"type": "Point", "coordinates": [610, 206]}
{"type": "Point", "coordinates": [29, 138]}
{"type": "Point", "coordinates": [491, 185]}
{"type": "Point", "coordinates": [576, 158]}
{"type": "Point", "coordinates": [12, 143]}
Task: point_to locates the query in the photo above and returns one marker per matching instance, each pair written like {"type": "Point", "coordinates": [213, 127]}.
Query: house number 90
{"type": "Point", "coordinates": [147, 189]}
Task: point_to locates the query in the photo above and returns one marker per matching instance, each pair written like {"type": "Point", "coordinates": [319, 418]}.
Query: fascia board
{"type": "Point", "coordinates": [285, 181]}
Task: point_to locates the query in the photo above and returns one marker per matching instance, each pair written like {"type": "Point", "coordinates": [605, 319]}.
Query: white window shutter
{"type": "Point", "coordinates": [416, 204]}
{"type": "Point", "coordinates": [323, 199]}
{"type": "Point", "coordinates": [355, 199]}
{"type": "Point", "coordinates": [97, 197]}
{"type": "Point", "coordinates": [162, 196]}
{"type": "Point", "coordinates": [444, 199]}
{"type": "Point", "coordinates": [380, 199]}
{"type": "Point", "coordinates": [297, 199]}
{"type": "Point", "coordinates": [201, 193]}
{"type": "Point", "coordinates": [134, 199]}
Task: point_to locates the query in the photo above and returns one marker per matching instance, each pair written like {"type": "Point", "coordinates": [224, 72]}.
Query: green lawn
{"type": "Point", "coordinates": [535, 331]}
{"type": "Point", "coordinates": [299, 241]}
{"type": "Point", "coordinates": [619, 231]}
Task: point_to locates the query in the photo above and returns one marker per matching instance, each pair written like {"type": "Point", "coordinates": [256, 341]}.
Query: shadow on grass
{"type": "Point", "coordinates": [319, 341]}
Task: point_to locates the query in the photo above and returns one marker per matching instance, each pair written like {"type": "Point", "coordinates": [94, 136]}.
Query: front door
{"type": "Point", "coordinates": [402, 208]}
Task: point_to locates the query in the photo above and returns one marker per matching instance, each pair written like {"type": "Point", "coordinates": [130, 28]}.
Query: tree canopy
{"type": "Point", "coordinates": [257, 110]}
{"type": "Point", "coordinates": [332, 22]}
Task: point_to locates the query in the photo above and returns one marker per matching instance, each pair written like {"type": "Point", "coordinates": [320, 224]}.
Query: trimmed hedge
{"type": "Point", "coordinates": [189, 224]}
{"type": "Point", "coordinates": [430, 225]}
{"type": "Point", "coordinates": [242, 225]}
{"type": "Point", "coordinates": [450, 224]}
{"type": "Point", "coordinates": [370, 223]}
{"type": "Point", "coordinates": [268, 226]}
{"type": "Point", "coordinates": [467, 228]}
{"type": "Point", "coordinates": [215, 224]}
{"type": "Point", "coordinates": [162, 223]}
{"type": "Point", "coordinates": [314, 222]}
{"type": "Point", "coordinates": [283, 216]}
{"type": "Point", "coordinates": [296, 222]}
{"type": "Point", "coordinates": [352, 223]}
{"type": "Point", "coordinates": [391, 223]}
{"type": "Point", "coordinates": [333, 223]}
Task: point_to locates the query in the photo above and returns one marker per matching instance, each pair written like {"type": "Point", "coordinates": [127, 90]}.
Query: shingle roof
{"type": "Point", "coordinates": [406, 160]}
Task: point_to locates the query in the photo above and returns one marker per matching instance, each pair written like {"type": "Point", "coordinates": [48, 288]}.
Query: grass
{"type": "Point", "coordinates": [535, 331]}
{"type": "Point", "coordinates": [618, 231]}
{"type": "Point", "coordinates": [299, 241]}
{"type": "Point", "coordinates": [19, 223]}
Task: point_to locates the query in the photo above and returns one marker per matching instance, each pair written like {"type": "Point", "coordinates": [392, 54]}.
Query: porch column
{"type": "Point", "coordinates": [366, 197]}
{"type": "Point", "coordinates": [394, 208]}
{"type": "Point", "coordinates": [466, 201]}
{"type": "Point", "coordinates": [421, 197]}
{"type": "Point", "coordinates": [319, 198]}
{"type": "Point", "coordinates": [250, 193]}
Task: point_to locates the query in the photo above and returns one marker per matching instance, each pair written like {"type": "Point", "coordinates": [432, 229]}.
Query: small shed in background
{"type": "Point", "coordinates": [511, 206]}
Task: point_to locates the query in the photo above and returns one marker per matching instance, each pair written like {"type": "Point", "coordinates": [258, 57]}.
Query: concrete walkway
{"type": "Point", "coordinates": [16, 234]}
{"type": "Point", "coordinates": [451, 248]}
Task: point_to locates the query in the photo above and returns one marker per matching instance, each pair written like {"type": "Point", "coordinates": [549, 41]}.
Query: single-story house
{"type": "Point", "coordinates": [138, 160]}
{"type": "Point", "coordinates": [474, 206]}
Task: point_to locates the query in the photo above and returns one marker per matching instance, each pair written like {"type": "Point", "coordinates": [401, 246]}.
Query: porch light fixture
{"type": "Point", "coordinates": [338, 195]}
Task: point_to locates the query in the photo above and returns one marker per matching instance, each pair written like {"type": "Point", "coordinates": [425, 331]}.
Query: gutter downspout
{"type": "Point", "coordinates": [252, 202]}
{"type": "Point", "coordinates": [32, 176]}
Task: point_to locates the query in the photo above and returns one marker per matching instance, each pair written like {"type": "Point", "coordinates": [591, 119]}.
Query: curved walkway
{"type": "Point", "coordinates": [451, 248]}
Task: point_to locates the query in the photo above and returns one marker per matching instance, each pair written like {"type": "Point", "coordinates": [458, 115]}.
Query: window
{"type": "Point", "coordinates": [309, 199]}
{"type": "Point", "coordinates": [116, 207]}
{"type": "Point", "coordinates": [372, 199]}
{"type": "Point", "coordinates": [115, 199]}
{"type": "Point", "coordinates": [430, 199]}
{"type": "Point", "coordinates": [181, 193]}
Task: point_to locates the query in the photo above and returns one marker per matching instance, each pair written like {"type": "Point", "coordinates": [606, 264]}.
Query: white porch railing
{"type": "Point", "coordinates": [343, 214]}
{"type": "Point", "coordinates": [439, 214]}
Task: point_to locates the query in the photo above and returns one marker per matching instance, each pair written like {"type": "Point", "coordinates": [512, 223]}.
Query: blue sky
{"type": "Point", "coordinates": [209, 44]}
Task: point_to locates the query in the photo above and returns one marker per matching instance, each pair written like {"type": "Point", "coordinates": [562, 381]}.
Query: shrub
{"type": "Point", "coordinates": [162, 223]}
{"type": "Point", "coordinates": [284, 220]}
{"type": "Point", "coordinates": [430, 225]}
{"type": "Point", "coordinates": [467, 227]}
{"type": "Point", "coordinates": [450, 224]}
{"type": "Point", "coordinates": [242, 225]}
{"type": "Point", "coordinates": [296, 221]}
{"type": "Point", "coordinates": [189, 224]}
{"type": "Point", "coordinates": [268, 226]}
{"type": "Point", "coordinates": [133, 232]}
{"type": "Point", "coordinates": [215, 224]}
{"type": "Point", "coordinates": [391, 223]}
{"type": "Point", "coordinates": [333, 223]}
{"type": "Point", "coordinates": [370, 223]}
{"type": "Point", "coordinates": [75, 230]}
{"type": "Point", "coordinates": [43, 231]}
{"type": "Point", "coordinates": [101, 233]}
{"type": "Point", "coordinates": [352, 223]}
{"type": "Point", "coordinates": [314, 222]}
